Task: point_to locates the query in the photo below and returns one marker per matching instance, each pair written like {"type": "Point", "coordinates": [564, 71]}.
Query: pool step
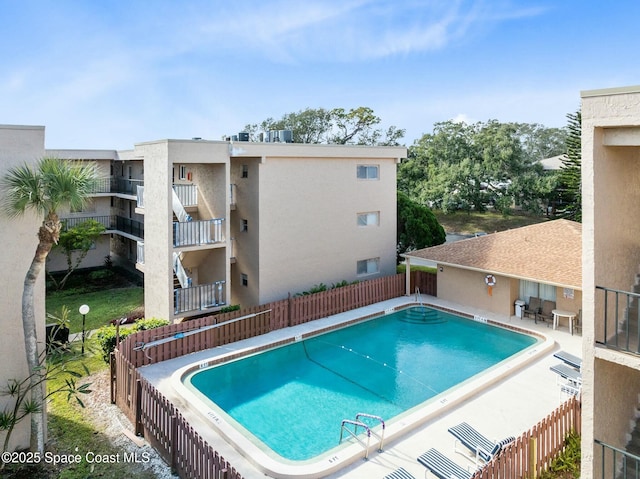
{"type": "Point", "coordinates": [420, 315]}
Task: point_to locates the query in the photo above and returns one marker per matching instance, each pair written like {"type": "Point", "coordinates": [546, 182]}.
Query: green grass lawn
{"type": "Point", "coordinates": [488, 221]}
{"type": "Point", "coordinates": [110, 294]}
{"type": "Point", "coordinates": [104, 305]}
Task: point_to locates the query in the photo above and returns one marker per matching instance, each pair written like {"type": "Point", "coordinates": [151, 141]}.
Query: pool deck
{"type": "Point", "coordinates": [509, 406]}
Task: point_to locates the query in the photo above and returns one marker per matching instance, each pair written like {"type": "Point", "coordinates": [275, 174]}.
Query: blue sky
{"type": "Point", "coordinates": [109, 74]}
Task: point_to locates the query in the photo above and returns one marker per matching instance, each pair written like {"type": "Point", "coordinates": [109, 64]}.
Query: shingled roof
{"type": "Point", "coordinates": [548, 252]}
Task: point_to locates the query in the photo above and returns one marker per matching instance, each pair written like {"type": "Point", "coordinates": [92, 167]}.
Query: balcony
{"type": "Point", "coordinates": [101, 185]}
{"type": "Point", "coordinates": [196, 233]}
{"type": "Point", "coordinates": [125, 186]}
{"type": "Point", "coordinates": [199, 298]}
{"type": "Point", "coordinates": [110, 222]}
{"type": "Point", "coordinates": [617, 319]}
{"type": "Point", "coordinates": [187, 194]}
{"type": "Point", "coordinates": [616, 463]}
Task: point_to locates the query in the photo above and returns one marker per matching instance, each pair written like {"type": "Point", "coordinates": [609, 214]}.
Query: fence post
{"type": "Point", "coordinates": [113, 377]}
{"type": "Point", "coordinates": [533, 454]}
{"type": "Point", "coordinates": [138, 427]}
{"type": "Point", "coordinates": [223, 473]}
{"type": "Point", "coordinates": [174, 443]}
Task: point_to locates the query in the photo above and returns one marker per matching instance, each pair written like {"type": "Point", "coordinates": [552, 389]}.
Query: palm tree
{"type": "Point", "coordinates": [43, 188]}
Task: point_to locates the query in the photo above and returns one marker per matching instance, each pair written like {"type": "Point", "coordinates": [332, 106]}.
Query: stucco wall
{"type": "Point", "coordinates": [18, 144]}
{"type": "Point", "coordinates": [610, 255]}
{"type": "Point", "coordinates": [309, 232]}
{"type": "Point", "coordinates": [469, 287]}
{"type": "Point", "coordinates": [245, 243]}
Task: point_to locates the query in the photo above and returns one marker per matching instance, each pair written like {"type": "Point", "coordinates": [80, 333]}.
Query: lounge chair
{"type": "Point", "coordinates": [568, 358]}
{"type": "Point", "coordinates": [533, 308]}
{"type": "Point", "coordinates": [547, 311]}
{"type": "Point", "coordinates": [400, 473]}
{"type": "Point", "coordinates": [566, 372]}
{"type": "Point", "coordinates": [483, 448]}
{"type": "Point", "coordinates": [441, 466]}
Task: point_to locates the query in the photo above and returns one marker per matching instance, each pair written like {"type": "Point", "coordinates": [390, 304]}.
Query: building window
{"type": "Point", "coordinates": [530, 289]}
{"type": "Point", "coordinates": [369, 219]}
{"type": "Point", "coordinates": [368, 172]}
{"type": "Point", "coordinates": [368, 266]}
{"type": "Point", "coordinates": [244, 279]}
{"type": "Point", "coordinates": [244, 226]}
{"type": "Point", "coordinates": [182, 172]}
{"type": "Point", "coordinates": [245, 171]}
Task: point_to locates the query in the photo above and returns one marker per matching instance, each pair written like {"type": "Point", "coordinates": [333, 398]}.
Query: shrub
{"type": "Point", "coordinates": [228, 309]}
{"type": "Point", "coordinates": [106, 335]}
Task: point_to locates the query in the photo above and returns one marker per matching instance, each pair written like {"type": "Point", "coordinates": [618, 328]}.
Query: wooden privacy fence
{"type": "Point", "coordinates": [532, 453]}
{"type": "Point", "coordinates": [155, 417]}
{"type": "Point", "coordinates": [148, 347]}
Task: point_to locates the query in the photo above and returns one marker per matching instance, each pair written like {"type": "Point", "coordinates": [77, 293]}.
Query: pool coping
{"type": "Point", "coordinates": [341, 456]}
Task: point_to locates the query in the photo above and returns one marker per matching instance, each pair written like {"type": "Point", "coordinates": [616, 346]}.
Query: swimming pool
{"type": "Point", "coordinates": [291, 400]}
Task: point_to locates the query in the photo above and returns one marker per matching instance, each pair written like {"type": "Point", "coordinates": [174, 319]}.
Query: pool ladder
{"type": "Point", "coordinates": [358, 423]}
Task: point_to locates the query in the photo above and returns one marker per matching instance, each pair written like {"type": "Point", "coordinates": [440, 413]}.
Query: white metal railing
{"type": "Point", "coordinates": [201, 232]}
{"type": "Point", "coordinates": [140, 196]}
{"type": "Point", "coordinates": [187, 194]}
{"type": "Point", "coordinates": [232, 192]}
{"type": "Point", "coordinates": [140, 251]}
{"type": "Point", "coordinates": [180, 272]}
{"type": "Point", "coordinates": [178, 208]}
{"type": "Point", "coordinates": [200, 297]}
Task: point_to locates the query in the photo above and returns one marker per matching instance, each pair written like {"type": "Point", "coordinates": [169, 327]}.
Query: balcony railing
{"type": "Point", "coordinates": [72, 222]}
{"type": "Point", "coordinates": [232, 192]}
{"type": "Point", "coordinates": [140, 196]}
{"type": "Point", "coordinates": [199, 298]}
{"type": "Point", "coordinates": [191, 233]}
{"type": "Point", "coordinates": [102, 185]}
{"type": "Point", "coordinates": [110, 222]}
{"type": "Point", "coordinates": [617, 320]}
{"type": "Point", "coordinates": [124, 185]}
{"type": "Point", "coordinates": [140, 251]}
{"type": "Point", "coordinates": [617, 463]}
{"type": "Point", "coordinates": [188, 194]}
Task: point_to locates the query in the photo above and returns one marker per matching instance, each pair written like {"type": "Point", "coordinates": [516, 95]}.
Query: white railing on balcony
{"type": "Point", "coordinates": [200, 297]}
{"type": "Point", "coordinates": [178, 209]}
{"type": "Point", "coordinates": [140, 250]}
{"type": "Point", "coordinates": [232, 191]}
{"type": "Point", "coordinates": [140, 196]}
{"type": "Point", "coordinates": [187, 194]}
{"type": "Point", "coordinates": [180, 272]}
{"type": "Point", "coordinates": [191, 233]}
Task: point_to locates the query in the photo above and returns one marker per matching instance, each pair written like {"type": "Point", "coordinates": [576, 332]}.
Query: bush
{"type": "Point", "coordinates": [106, 335]}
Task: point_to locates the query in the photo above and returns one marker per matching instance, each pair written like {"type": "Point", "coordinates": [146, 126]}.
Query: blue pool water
{"type": "Point", "coordinates": [295, 397]}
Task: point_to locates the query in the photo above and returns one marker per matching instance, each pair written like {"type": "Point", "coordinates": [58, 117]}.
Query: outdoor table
{"type": "Point", "coordinates": [559, 313]}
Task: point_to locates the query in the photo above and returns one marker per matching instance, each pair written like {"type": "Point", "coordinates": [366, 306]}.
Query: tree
{"type": "Point", "coordinates": [417, 226]}
{"type": "Point", "coordinates": [463, 167]}
{"type": "Point", "coordinates": [571, 170]}
{"type": "Point", "coordinates": [337, 126]}
{"type": "Point", "coordinates": [42, 188]}
{"type": "Point", "coordinates": [20, 390]}
{"type": "Point", "coordinates": [77, 241]}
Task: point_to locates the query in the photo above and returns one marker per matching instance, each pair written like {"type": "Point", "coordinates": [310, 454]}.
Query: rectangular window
{"type": "Point", "coordinates": [182, 172]}
{"type": "Point", "coordinates": [369, 219]}
{"type": "Point", "coordinates": [530, 289]}
{"type": "Point", "coordinates": [245, 171]}
{"type": "Point", "coordinates": [368, 266]}
{"type": "Point", "coordinates": [368, 172]}
{"type": "Point", "coordinates": [245, 279]}
{"type": "Point", "coordinates": [244, 226]}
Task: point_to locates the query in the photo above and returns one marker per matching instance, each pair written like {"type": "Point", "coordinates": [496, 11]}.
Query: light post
{"type": "Point", "coordinates": [84, 309]}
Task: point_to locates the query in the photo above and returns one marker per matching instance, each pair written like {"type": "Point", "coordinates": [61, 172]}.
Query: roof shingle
{"type": "Point", "coordinates": [548, 252]}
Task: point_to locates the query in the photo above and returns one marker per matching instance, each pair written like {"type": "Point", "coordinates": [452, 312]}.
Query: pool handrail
{"type": "Point", "coordinates": [354, 434]}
